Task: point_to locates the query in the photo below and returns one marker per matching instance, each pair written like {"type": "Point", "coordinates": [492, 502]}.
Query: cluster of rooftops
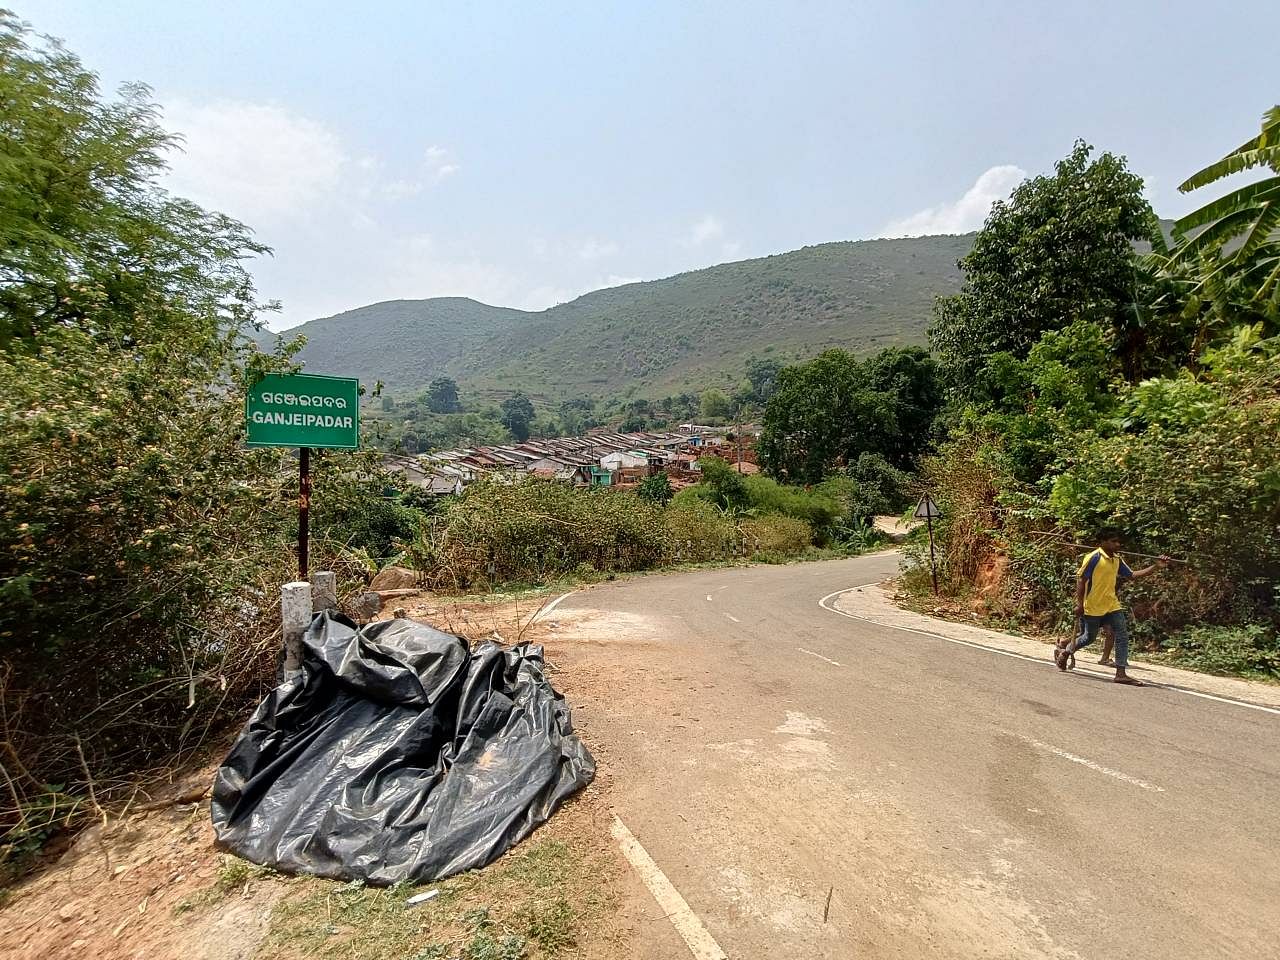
{"type": "Point", "coordinates": [599, 459]}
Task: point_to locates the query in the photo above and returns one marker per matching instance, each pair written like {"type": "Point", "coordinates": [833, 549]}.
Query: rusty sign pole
{"type": "Point", "coordinates": [304, 509]}
{"type": "Point", "coordinates": [926, 510]}
{"type": "Point", "coordinates": [933, 565]}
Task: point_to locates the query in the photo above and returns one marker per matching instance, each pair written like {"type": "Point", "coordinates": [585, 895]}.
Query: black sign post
{"type": "Point", "coordinates": [304, 510]}
{"type": "Point", "coordinates": [926, 510]}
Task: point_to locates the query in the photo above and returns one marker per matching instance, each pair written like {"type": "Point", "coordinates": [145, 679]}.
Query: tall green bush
{"type": "Point", "coordinates": [528, 530]}
{"type": "Point", "coordinates": [139, 542]}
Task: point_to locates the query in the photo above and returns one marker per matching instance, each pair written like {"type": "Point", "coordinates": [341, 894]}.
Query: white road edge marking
{"type": "Point", "coordinates": [551, 606]}
{"type": "Point", "coordinates": [1043, 661]}
{"type": "Point", "coordinates": [834, 663]}
{"type": "Point", "coordinates": [733, 618]}
{"type": "Point", "coordinates": [1058, 751]}
{"type": "Point", "coordinates": [696, 937]}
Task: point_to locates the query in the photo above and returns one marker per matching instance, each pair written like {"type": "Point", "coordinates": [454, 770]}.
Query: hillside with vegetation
{"type": "Point", "coordinates": [404, 343]}
{"type": "Point", "coordinates": [690, 331]}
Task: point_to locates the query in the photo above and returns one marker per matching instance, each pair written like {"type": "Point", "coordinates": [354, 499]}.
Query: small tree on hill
{"type": "Point", "coordinates": [715, 405]}
{"type": "Point", "coordinates": [656, 489]}
{"type": "Point", "coordinates": [517, 416]}
{"type": "Point", "coordinates": [442, 396]}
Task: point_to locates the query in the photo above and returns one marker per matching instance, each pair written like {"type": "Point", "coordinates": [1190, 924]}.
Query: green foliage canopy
{"type": "Point", "coordinates": [87, 238]}
{"type": "Point", "coordinates": [1248, 217]}
{"type": "Point", "coordinates": [828, 411]}
{"type": "Point", "coordinates": [1059, 250]}
{"type": "Point", "coordinates": [442, 396]}
{"type": "Point", "coordinates": [132, 522]}
{"type": "Point", "coordinates": [517, 416]}
{"type": "Point", "coordinates": [714, 405]}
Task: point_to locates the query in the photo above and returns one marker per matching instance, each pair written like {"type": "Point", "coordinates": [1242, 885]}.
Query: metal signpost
{"type": "Point", "coordinates": [926, 510]}
{"type": "Point", "coordinates": [306, 411]}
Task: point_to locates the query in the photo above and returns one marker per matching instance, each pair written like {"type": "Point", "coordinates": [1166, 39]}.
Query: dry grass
{"type": "Point", "coordinates": [544, 900]}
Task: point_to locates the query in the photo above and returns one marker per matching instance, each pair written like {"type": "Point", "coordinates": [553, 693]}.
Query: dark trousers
{"type": "Point", "coordinates": [1118, 624]}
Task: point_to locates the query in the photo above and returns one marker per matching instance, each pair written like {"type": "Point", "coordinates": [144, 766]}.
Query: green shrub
{"type": "Point", "coordinates": [696, 530]}
{"type": "Point", "coordinates": [818, 506]}
{"type": "Point", "coordinates": [1251, 649]}
{"type": "Point", "coordinates": [881, 488]}
{"type": "Point", "coordinates": [141, 545]}
{"type": "Point", "coordinates": [360, 514]}
{"type": "Point", "coordinates": [1194, 470]}
{"type": "Point", "coordinates": [527, 530]}
{"type": "Point", "coordinates": [778, 535]}
{"type": "Point", "coordinates": [656, 490]}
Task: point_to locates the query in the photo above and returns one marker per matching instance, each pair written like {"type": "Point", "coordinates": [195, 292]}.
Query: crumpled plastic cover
{"type": "Point", "coordinates": [397, 753]}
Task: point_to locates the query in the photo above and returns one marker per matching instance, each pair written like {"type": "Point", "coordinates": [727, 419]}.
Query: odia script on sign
{"type": "Point", "coordinates": [303, 410]}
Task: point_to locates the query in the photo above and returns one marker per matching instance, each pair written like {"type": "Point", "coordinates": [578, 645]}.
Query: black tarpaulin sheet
{"type": "Point", "coordinates": [397, 753]}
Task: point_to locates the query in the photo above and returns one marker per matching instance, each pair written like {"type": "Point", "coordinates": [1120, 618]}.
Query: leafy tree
{"type": "Point", "coordinates": [727, 488]}
{"type": "Point", "coordinates": [881, 488]}
{"type": "Point", "coordinates": [714, 405]}
{"type": "Point", "coordinates": [763, 377]}
{"type": "Point", "coordinates": [517, 416]}
{"type": "Point", "coordinates": [828, 411]}
{"type": "Point", "coordinates": [442, 396]}
{"type": "Point", "coordinates": [132, 518]}
{"type": "Point", "coordinates": [907, 379]}
{"type": "Point", "coordinates": [84, 229]}
{"type": "Point", "coordinates": [656, 489]}
{"type": "Point", "coordinates": [1060, 249]}
{"type": "Point", "coordinates": [1036, 406]}
{"type": "Point", "coordinates": [575, 415]}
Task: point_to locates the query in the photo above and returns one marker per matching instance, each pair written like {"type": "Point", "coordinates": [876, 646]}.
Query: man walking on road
{"type": "Point", "coordinates": [1097, 604]}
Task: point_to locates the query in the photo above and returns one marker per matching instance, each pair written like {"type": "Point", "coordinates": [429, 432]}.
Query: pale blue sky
{"type": "Point", "coordinates": [522, 154]}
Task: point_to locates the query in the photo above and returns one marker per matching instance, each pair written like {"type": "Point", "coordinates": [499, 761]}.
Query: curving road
{"type": "Point", "coordinates": [816, 786]}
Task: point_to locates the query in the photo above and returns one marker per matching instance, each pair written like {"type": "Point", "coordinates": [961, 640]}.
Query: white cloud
{"type": "Point", "coordinates": [613, 280]}
{"type": "Point", "coordinates": [598, 249]}
{"type": "Point", "coordinates": [439, 163]}
{"type": "Point", "coordinates": [547, 296]}
{"type": "Point", "coordinates": [350, 226]}
{"type": "Point", "coordinates": [255, 161]}
{"type": "Point", "coordinates": [964, 215]}
{"type": "Point", "coordinates": [402, 189]}
{"type": "Point", "coordinates": [707, 229]}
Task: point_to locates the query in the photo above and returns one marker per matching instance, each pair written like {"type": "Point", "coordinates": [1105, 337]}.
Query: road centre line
{"type": "Point", "coordinates": [696, 937]}
{"type": "Point", "coordinates": [834, 663]}
{"type": "Point", "coordinates": [733, 618]}
{"type": "Point", "coordinates": [1058, 751]}
{"type": "Point", "coordinates": [708, 596]}
{"type": "Point", "coordinates": [823, 603]}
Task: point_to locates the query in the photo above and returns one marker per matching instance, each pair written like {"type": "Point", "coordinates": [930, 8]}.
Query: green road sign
{"type": "Point", "coordinates": [303, 410]}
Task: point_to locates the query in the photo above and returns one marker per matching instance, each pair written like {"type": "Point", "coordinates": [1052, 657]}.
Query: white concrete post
{"type": "Point", "coordinates": [324, 591]}
{"type": "Point", "coordinates": [295, 617]}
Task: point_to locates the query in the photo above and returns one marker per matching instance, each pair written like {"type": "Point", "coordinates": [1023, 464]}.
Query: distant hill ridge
{"type": "Point", "coordinates": [686, 332]}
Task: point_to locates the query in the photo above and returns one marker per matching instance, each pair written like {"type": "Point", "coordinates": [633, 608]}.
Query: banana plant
{"type": "Point", "coordinates": [1235, 246]}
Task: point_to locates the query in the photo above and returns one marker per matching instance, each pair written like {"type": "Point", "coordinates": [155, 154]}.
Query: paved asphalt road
{"type": "Point", "coordinates": [770, 754]}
